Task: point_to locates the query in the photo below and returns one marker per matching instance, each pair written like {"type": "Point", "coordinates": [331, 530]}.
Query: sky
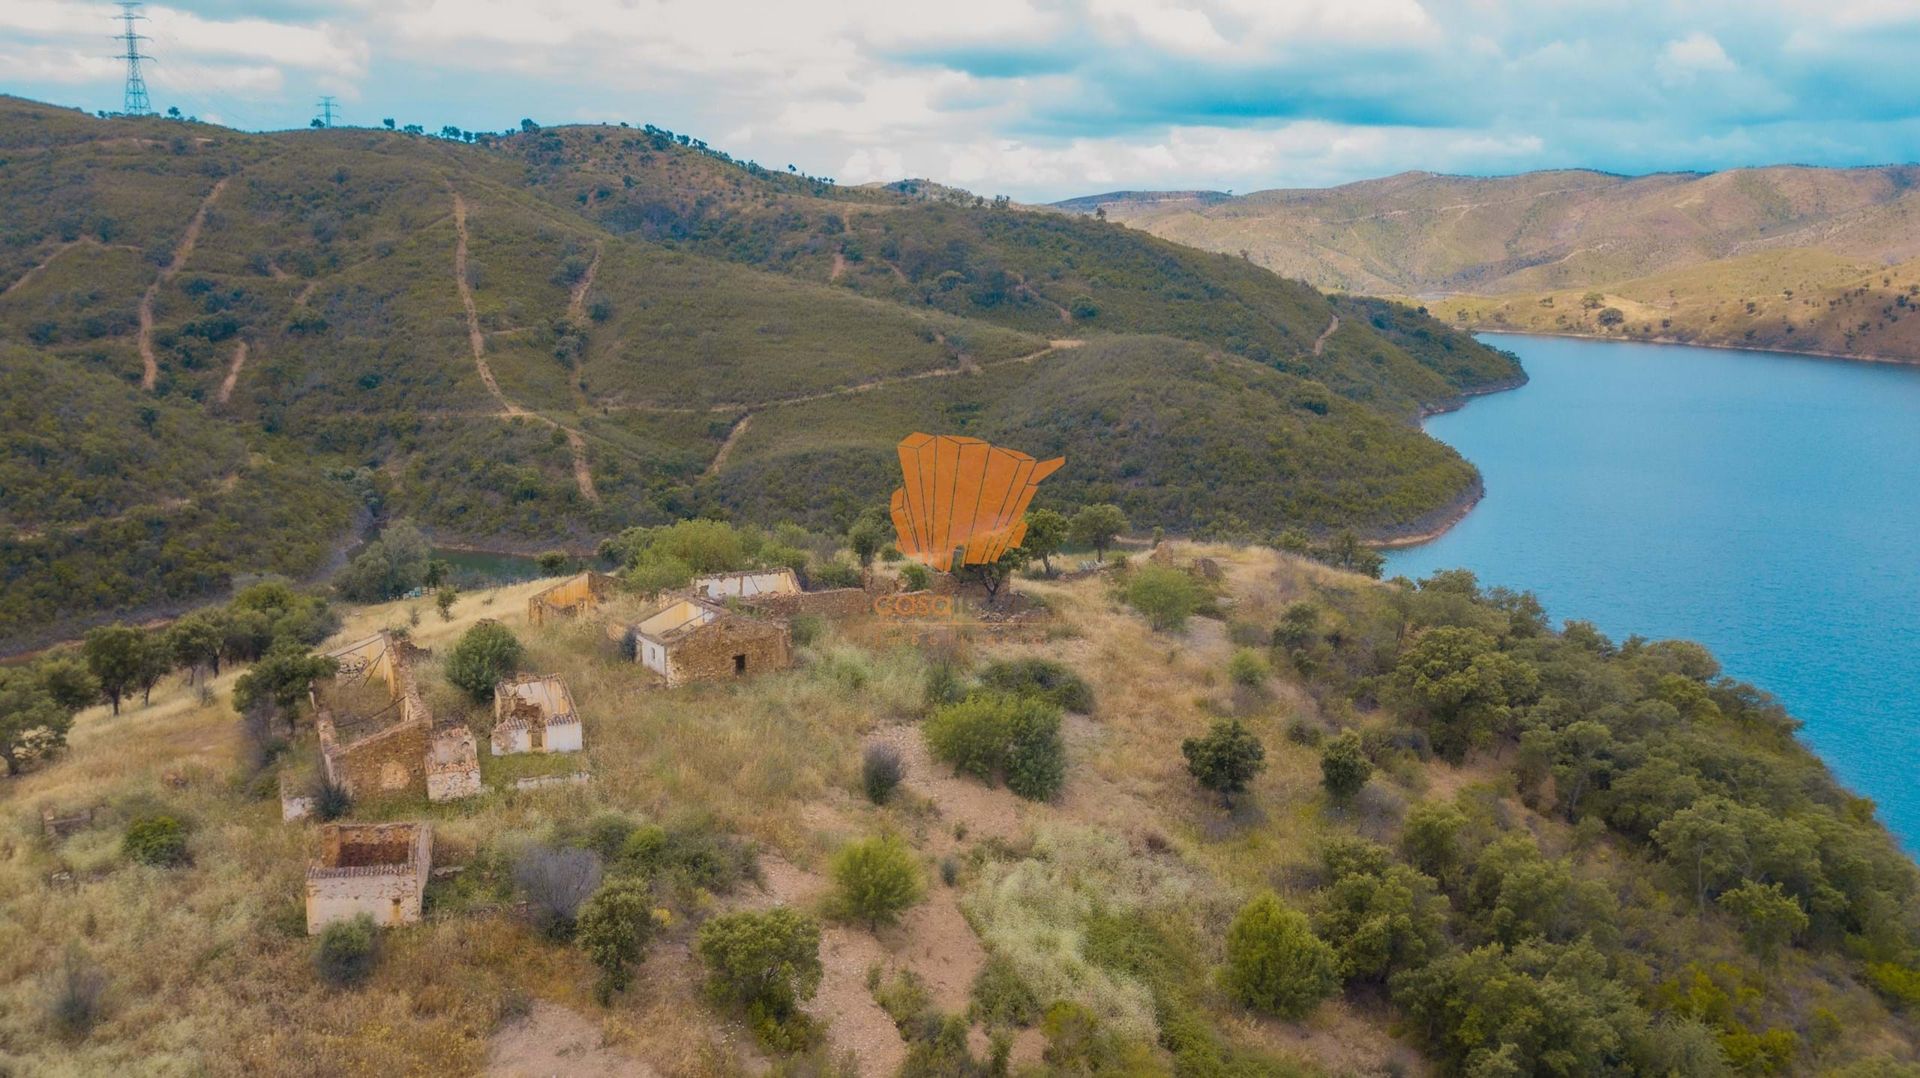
{"type": "Point", "coordinates": [1047, 99]}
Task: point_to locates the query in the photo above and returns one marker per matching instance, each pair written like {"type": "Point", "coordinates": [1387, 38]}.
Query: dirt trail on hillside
{"type": "Point", "coordinates": [839, 267]}
{"type": "Point", "coordinates": [477, 341]}
{"type": "Point", "coordinates": [726, 447]}
{"type": "Point", "coordinates": [150, 374]}
{"type": "Point", "coordinates": [720, 458]}
{"type": "Point", "coordinates": [1320, 342]}
{"type": "Point", "coordinates": [233, 373]}
{"type": "Point", "coordinates": [577, 301]}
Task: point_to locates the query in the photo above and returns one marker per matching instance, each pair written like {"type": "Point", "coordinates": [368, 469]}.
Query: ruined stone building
{"type": "Point", "coordinates": [571, 597]}
{"type": "Point", "coordinates": [534, 713]}
{"type": "Point", "coordinates": [690, 639]}
{"type": "Point", "coordinates": [746, 584]}
{"type": "Point", "coordinates": [377, 869]}
{"type": "Point", "coordinates": [377, 736]}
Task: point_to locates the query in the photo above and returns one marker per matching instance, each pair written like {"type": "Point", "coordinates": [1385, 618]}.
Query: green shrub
{"type": "Point", "coordinates": [994, 736]}
{"type": "Point", "coordinates": [1344, 767]}
{"type": "Point", "coordinates": [916, 576]}
{"type": "Point", "coordinates": [1275, 963]}
{"type": "Point", "coordinates": [805, 629]}
{"type": "Point", "coordinates": [695, 856]}
{"type": "Point", "coordinates": [834, 574]}
{"type": "Point", "coordinates": [1226, 759]}
{"type": "Point", "coordinates": [766, 963]}
{"type": "Point", "coordinates": [346, 951]}
{"type": "Point", "coordinates": [160, 841]}
{"type": "Point", "coordinates": [485, 653]}
{"type": "Point", "coordinates": [1166, 597]}
{"type": "Point", "coordinates": [614, 927]}
{"type": "Point", "coordinates": [1001, 997]}
{"type": "Point", "coordinates": [1249, 668]}
{"type": "Point", "coordinates": [1042, 678]}
{"type": "Point", "coordinates": [874, 879]}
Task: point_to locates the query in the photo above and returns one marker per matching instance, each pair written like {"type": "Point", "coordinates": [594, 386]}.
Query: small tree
{"type": "Point", "coordinates": [1248, 668]}
{"type": "Point", "coordinates": [916, 576]}
{"type": "Point", "coordinates": [880, 771]}
{"type": "Point", "coordinates": [997, 735]}
{"type": "Point", "coordinates": [1046, 533]}
{"type": "Point", "coordinates": [159, 841]}
{"type": "Point", "coordinates": [991, 575]}
{"type": "Point", "coordinates": [614, 927]}
{"type": "Point", "coordinates": [281, 678]}
{"type": "Point", "coordinates": [486, 653]}
{"type": "Point", "coordinates": [766, 962]}
{"type": "Point", "coordinates": [874, 879]}
{"type": "Point", "coordinates": [152, 661]}
{"type": "Point", "coordinates": [1098, 526]}
{"type": "Point", "coordinates": [1226, 759]}
{"type": "Point", "coordinates": [195, 640]}
{"type": "Point", "coordinates": [865, 539]}
{"type": "Point", "coordinates": [444, 599]}
{"type": "Point", "coordinates": [32, 723]}
{"type": "Point", "coordinates": [115, 654]}
{"type": "Point", "coordinates": [552, 562]}
{"type": "Point", "coordinates": [346, 951]}
{"type": "Point", "coordinates": [1769, 918]}
{"type": "Point", "coordinates": [1344, 767]}
{"type": "Point", "coordinates": [1167, 597]}
{"type": "Point", "coordinates": [1275, 963]}
{"type": "Point", "coordinates": [68, 681]}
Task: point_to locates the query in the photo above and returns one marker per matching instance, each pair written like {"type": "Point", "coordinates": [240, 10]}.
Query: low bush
{"type": "Point", "coordinates": [874, 879]}
{"type": "Point", "coordinates": [614, 928]}
{"type": "Point", "coordinates": [556, 881]}
{"type": "Point", "coordinates": [994, 736]}
{"type": "Point", "coordinates": [75, 995]}
{"type": "Point", "coordinates": [160, 841]}
{"type": "Point", "coordinates": [1001, 998]}
{"type": "Point", "coordinates": [765, 963]}
{"type": "Point", "coordinates": [346, 951]}
{"type": "Point", "coordinates": [1043, 678]}
{"type": "Point", "coordinates": [693, 856]}
{"type": "Point", "coordinates": [1248, 668]}
{"type": "Point", "coordinates": [880, 771]}
{"type": "Point", "coordinates": [1166, 597]}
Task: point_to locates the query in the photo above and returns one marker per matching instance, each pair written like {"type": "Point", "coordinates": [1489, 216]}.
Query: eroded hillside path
{"type": "Point", "coordinates": [1320, 342]}
{"type": "Point", "coordinates": [748, 410]}
{"type": "Point", "coordinates": [150, 363]}
{"type": "Point", "coordinates": [477, 341]}
{"type": "Point", "coordinates": [577, 300]}
{"type": "Point", "coordinates": [233, 373]}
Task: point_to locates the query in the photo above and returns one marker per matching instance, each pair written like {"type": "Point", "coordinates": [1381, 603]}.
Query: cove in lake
{"type": "Point", "coordinates": [1765, 505]}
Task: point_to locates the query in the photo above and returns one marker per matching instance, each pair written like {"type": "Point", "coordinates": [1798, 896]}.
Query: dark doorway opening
{"type": "Point", "coordinates": [739, 664]}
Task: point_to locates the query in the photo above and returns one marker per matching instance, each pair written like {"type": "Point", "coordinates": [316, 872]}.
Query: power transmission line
{"type": "Point", "coordinates": [326, 110]}
{"type": "Point", "coordinates": [136, 96]}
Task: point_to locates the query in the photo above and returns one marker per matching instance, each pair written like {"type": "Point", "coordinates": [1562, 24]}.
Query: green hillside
{"type": "Point", "coordinates": [537, 340]}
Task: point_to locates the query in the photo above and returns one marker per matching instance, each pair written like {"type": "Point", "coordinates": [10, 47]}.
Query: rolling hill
{"type": "Point", "coordinates": [535, 340]}
{"type": "Point", "coordinates": [1788, 257]}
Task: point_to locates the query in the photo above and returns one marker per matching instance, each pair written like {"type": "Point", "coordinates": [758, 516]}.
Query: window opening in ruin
{"type": "Point", "coordinates": [739, 664]}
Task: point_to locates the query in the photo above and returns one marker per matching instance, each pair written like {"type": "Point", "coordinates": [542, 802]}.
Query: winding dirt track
{"type": "Point", "coordinates": [233, 373]}
{"type": "Point", "coordinates": [577, 302]}
{"type": "Point", "coordinates": [477, 341]}
{"type": "Point", "coordinates": [1320, 342]}
{"type": "Point", "coordinates": [150, 363]}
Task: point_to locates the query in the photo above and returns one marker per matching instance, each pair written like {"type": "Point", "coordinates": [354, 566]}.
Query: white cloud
{"type": "Point", "coordinates": [1685, 59]}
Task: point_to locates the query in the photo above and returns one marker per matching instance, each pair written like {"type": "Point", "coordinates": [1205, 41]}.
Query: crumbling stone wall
{"type": "Point", "coordinates": [393, 761]}
{"type": "Point", "coordinates": [729, 647]}
{"type": "Point", "coordinates": [570, 596]}
{"type": "Point", "coordinates": [453, 764]}
{"type": "Point", "coordinates": [832, 603]}
{"type": "Point", "coordinates": [377, 869]}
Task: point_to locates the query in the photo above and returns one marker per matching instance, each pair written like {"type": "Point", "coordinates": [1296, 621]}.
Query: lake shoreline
{"type": "Point", "coordinates": [1807, 353]}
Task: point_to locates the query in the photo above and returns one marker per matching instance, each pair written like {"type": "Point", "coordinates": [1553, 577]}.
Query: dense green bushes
{"type": "Point", "coordinates": [484, 654]}
{"type": "Point", "coordinates": [997, 737]}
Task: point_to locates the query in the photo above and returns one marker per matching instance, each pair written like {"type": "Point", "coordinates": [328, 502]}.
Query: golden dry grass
{"type": "Point", "coordinates": [210, 967]}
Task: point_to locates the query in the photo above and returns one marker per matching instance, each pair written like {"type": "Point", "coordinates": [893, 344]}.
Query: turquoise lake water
{"type": "Point", "coordinates": [1765, 505]}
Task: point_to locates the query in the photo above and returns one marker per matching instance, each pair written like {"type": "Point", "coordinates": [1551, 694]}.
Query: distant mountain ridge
{"type": "Point", "coordinates": [1788, 256]}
